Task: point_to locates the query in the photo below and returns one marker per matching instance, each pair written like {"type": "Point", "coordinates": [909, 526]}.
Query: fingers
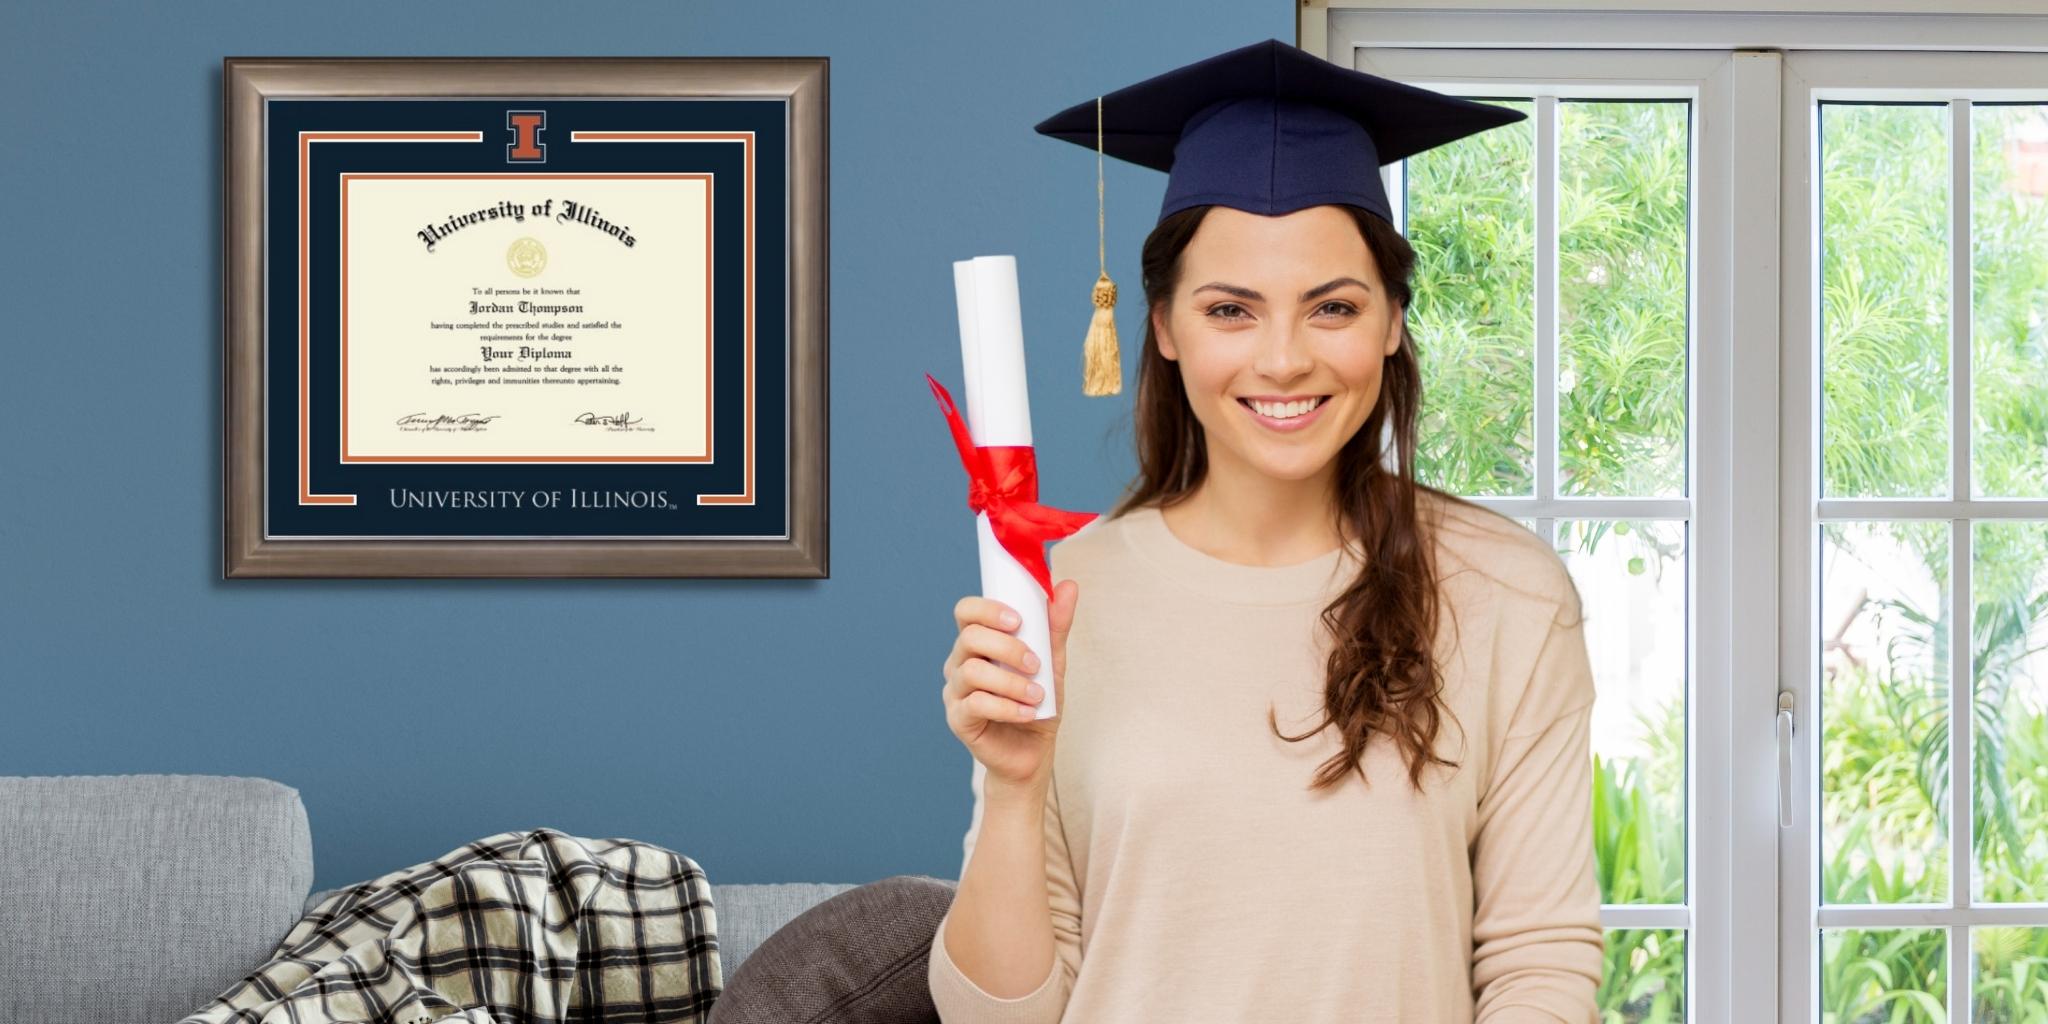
{"type": "Point", "coordinates": [987, 628]}
{"type": "Point", "coordinates": [982, 690]}
{"type": "Point", "coordinates": [988, 672]}
{"type": "Point", "coordinates": [983, 704]}
{"type": "Point", "coordinates": [978, 676]}
{"type": "Point", "coordinates": [1003, 648]}
{"type": "Point", "coordinates": [1066, 595]}
{"type": "Point", "coordinates": [985, 610]}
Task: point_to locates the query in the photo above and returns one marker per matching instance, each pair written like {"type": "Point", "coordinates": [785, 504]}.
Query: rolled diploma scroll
{"type": "Point", "coordinates": [999, 413]}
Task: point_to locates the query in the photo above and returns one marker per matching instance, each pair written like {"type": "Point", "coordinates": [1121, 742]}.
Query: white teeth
{"type": "Point", "coordinates": [1283, 410]}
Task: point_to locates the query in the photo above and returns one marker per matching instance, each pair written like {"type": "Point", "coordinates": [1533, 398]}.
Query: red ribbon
{"type": "Point", "coordinates": [1002, 480]}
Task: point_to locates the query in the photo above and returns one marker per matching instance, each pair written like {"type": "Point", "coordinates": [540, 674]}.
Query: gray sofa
{"type": "Point", "coordinates": [136, 899]}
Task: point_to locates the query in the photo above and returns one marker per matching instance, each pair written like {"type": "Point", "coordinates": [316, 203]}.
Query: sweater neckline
{"type": "Point", "coordinates": [1317, 579]}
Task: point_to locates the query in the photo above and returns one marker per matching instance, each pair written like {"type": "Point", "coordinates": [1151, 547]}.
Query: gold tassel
{"type": "Point", "coordinates": [1102, 370]}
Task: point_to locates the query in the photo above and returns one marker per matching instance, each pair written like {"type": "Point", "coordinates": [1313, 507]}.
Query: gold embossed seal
{"type": "Point", "coordinates": [527, 257]}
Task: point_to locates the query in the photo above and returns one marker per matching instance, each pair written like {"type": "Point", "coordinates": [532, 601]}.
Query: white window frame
{"type": "Point", "coordinates": [1740, 463]}
{"type": "Point", "coordinates": [1810, 77]}
{"type": "Point", "coordinates": [1990, 25]}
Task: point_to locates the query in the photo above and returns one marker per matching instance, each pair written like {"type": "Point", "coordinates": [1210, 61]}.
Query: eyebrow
{"type": "Point", "coordinates": [1312, 293]}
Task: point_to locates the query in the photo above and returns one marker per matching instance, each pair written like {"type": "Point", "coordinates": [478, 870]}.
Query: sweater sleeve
{"type": "Point", "coordinates": [1538, 948]}
{"type": "Point", "coordinates": [956, 997]}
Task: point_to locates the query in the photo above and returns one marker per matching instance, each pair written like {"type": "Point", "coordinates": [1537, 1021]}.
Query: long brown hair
{"type": "Point", "coordinates": [1383, 677]}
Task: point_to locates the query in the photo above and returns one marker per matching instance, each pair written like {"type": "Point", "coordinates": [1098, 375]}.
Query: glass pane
{"type": "Point", "coordinates": [1891, 975]}
{"type": "Point", "coordinates": [2009, 257]}
{"type": "Point", "coordinates": [1470, 209]}
{"type": "Point", "coordinates": [2010, 981]}
{"type": "Point", "coordinates": [2009, 756]}
{"type": "Point", "coordinates": [1631, 577]}
{"type": "Point", "coordinates": [1885, 288]}
{"type": "Point", "coordinates": [1884, 712]}
{"type": "Point", "coordinates": [1644, 980]}
{"type": "Point", "coordinates": [1622, 193]}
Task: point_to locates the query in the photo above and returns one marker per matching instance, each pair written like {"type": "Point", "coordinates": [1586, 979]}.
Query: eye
{"type": "Point", "coordinates": [1343, 308]}
{"type": "Point", "coordinates": [1211, 311]}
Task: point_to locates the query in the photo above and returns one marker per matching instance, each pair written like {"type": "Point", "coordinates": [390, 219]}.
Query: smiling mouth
{"type": "Point", "coordinates": [1321, 400]}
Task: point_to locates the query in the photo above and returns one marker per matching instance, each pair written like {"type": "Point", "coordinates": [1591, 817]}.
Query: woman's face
{"type": "Point", "coordinates": [1289, 310]}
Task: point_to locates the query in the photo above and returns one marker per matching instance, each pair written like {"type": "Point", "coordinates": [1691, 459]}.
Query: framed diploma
{"type": "Point", "coordinates": [524, 316]}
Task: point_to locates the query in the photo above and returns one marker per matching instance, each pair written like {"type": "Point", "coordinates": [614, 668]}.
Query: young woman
{"type": "Point", "coordinates": [1322, 751]}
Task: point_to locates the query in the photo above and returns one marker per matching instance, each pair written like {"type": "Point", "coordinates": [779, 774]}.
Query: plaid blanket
{"type": "Point", "coordinates": [532, 927]}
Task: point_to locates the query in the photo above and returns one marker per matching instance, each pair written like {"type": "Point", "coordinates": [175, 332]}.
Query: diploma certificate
{"type": "Point", "coordinates": [526, 318]}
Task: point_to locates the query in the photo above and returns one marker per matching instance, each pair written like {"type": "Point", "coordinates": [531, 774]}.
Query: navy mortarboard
{"type": "Point", "coordinates": [1265, 128]}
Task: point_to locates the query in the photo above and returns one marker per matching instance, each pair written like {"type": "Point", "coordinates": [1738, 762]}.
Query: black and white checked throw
{"type": "Point", "coordinates": [533, 927]}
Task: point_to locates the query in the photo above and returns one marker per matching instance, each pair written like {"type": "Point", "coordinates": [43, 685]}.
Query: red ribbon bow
{"type": "Point", "coordinates": [1002, 480]}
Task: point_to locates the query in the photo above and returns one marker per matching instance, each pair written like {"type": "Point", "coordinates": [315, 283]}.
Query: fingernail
{"type": "Point", "coordinates": [1034, 691]}
{"type": "Point", "coordinates": [1030, 662]}
{"type": "Point", "coordinates": [1010, 619]}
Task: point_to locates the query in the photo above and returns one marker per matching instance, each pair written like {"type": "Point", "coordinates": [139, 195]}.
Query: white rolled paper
{"type": "Point", "coordinates": [999, 413]}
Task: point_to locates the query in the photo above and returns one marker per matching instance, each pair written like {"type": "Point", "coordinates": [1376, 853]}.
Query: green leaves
{"type": "Point", "coordinates": [1471, 219]}
{"type": "Point", "coordinates": [1638, 842]}
{"type": "Point", "coordinates": [1622, 286]}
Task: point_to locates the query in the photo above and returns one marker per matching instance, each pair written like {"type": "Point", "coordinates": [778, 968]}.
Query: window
{"type": "Point", "coordinates": [1923, 863]}
{"type": "Point", "coordinates": [1750, 318]}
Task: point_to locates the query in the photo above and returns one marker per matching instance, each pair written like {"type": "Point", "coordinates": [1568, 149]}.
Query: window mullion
{"type": "Point", "coordinates": [1740, 616]}
{"type": "Point", "coordinates": [1961, 667]}
{"type": "Point", "coordinates": [1960, 829]}
{"type": "Point", "coordinates": [1959, 304]}
{"type": "Point", "coordinates": [1546, 297]}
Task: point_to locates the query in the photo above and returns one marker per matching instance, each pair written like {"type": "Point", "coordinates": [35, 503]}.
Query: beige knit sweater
{"type": "Point", "coordinates": [1192, 873]}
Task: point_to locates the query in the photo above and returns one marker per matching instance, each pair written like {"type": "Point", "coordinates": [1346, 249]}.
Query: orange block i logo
{"type": "Point", "coordinates": [525, 126]}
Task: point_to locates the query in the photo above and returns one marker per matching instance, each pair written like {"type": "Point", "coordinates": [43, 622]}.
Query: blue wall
{"type": "Point", "coordinates": [772, 730]}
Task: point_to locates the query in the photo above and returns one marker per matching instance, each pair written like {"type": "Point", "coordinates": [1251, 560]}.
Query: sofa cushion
{"type": "Point", "coordinates": [860, 956]}
{"type": "Point", "coordinates": [749, 912]}
{"type": "Point", "coordinates": [141, 897]}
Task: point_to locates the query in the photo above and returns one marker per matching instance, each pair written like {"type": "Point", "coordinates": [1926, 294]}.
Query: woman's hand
{"type": "Point", "coordinates": [989, 705]}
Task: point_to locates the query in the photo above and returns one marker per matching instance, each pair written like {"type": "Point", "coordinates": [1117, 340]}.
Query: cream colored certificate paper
{"type": "Point", "coordinates": [526, 318]}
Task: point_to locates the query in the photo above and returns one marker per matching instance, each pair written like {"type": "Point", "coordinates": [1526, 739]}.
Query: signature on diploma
{"type": "Point", "coordinates": [437, 419]}
{"type": "Point", "coordinates": [623, 419]}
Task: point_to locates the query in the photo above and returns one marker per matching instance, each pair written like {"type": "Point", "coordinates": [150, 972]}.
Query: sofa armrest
{"type": "Point", "coordinates": [142, 897]}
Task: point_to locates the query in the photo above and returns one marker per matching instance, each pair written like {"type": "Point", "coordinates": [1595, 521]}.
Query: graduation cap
{"type": "Point", "coordinates": [1266, 128]}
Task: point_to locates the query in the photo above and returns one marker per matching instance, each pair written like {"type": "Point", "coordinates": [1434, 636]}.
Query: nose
{"type": "Point", "coordinates": [1283, 353]}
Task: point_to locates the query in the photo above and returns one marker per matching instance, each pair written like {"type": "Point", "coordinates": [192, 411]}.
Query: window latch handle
{"type": "Point", "coordinates": [1785, 730]}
